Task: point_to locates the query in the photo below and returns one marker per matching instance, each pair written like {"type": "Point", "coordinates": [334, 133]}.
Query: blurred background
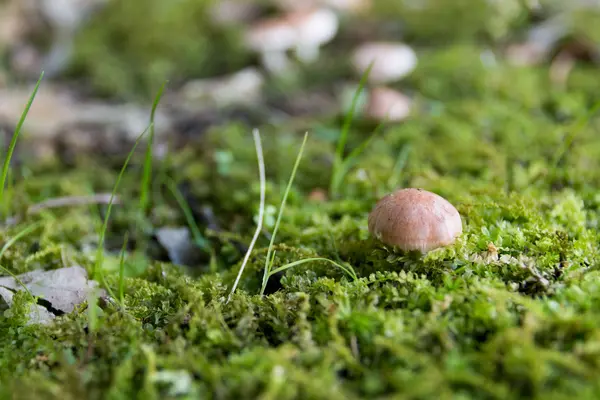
{"type": "Point", "coordinates": [274, 62]}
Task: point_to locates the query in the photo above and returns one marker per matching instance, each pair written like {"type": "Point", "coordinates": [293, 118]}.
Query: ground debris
{"type": "Point", "coordinates": [59, 291]}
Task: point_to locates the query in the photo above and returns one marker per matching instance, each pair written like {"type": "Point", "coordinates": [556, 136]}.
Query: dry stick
{"type": "Point", "coordinates": [261, 209]}
{"type": "Point", "coordinates": [67, 201]}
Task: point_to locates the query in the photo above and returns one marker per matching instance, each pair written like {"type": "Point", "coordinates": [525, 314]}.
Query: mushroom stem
{"type": "Point", "coordinates": [307, 53]}
{"type": "Point", "coordinates": [275, 61]}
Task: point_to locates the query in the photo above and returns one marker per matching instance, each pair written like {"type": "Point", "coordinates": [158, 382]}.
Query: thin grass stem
{"type": "Point", "coordinates": [341, 145]}
{"type": "Point", "coordinates": [147, 174]}
{"type": "Point", "coordinates": [15, 137]}
{"type": "Point", "coordinates": [261, 208]}
{"type": "Point", "coordinates": [100, 251]}
{"type": "Point", "coordinates": [347, 270]}
{"type": "Point", "coordinates": [199, 239]}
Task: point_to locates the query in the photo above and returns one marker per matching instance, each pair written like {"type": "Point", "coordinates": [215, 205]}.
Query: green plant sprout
{"type": "Point", "coordinates": [21, 234]}
{"type": "Point", "coordinates": [348, 270]}
{"type": "Point", "coordinates": [122, 270]}
{"type": "Point", "coordinates": [100, 250]}
{"type": "Point", "coordinates": [147, 174]}
{"type": "Point", "coordinates": [199, 239]}
{"type": "Point", "coordinates": [13, 142]}
{"type": "Point", "coordinates": [401, 161]}
{"type": "Point", "coordinates": [342, 165]}
{"type": "Point", "coordinates": [121, 281]}
{"type": "Point", "coordinates": [145, 188]}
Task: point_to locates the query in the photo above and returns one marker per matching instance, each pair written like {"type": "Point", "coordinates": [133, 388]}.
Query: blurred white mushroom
{"type": "Point", "coordinates": [387, 104]}
{"type": "Point", "coordinates": [303, 31]}
{"type": "Point", "coordinates": [343, 6]}
{"type": "Point", "coordinates": [379, 103]}
{"type": "Point", "coordinates": [391, 61]}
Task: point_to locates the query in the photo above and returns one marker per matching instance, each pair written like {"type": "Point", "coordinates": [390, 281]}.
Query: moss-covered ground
{"type": "Point", "coordinates": [511, 310]}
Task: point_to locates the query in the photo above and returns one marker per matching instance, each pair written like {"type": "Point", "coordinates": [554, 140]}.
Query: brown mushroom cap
{"type": "Point", "coordinates": [385, 103]}
{"type": "Point", "coordinates": [415, 219]}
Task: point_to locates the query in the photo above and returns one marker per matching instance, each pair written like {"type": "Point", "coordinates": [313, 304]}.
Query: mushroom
{"type": "Point", "coordinates": [385, 103]}
{"type": "Point", "coordinates": [304, 31]}
{"type": "Point", "coordinates": [391, 61]}
{"type": "Point", "coordinates": [342, 6]}
{"type": "Point", "coordinates": [415, 220]}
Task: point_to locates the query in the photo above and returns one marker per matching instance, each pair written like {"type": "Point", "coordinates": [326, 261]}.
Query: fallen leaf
{"type": "Point", "coordinates": [63, 289]}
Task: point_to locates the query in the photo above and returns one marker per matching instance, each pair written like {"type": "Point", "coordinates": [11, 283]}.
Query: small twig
{"type": "Point", "coordinates": [67, 201]}
{"type": "Point", "coordinates": [261, 209]}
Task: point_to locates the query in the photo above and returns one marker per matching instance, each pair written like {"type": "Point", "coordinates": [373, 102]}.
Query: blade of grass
{"type": "Point", "coordinates": [199, 239]}
{"type": "Point", "coordinates": [349, 271]}
{"type": "Point", "coordinates": [341, 145]}
{"type": "Point", "coordinates": [24, 232]}
{"type": "Point", "coordinates": [122, 271]}
{"type": "Point", "coordinates": [121, 277]}
{"type": "Point", "coordinates": [399, 166]}
{"type": "Point", "coordinates": [268, 263]}
{"type": "Point", "coordinates": [348, 163]}
{"type": "Point", "coordinates": [15, 137]}
{"type": "Point", "coordinates": [92, 312]}
{"type": "Point", "coordinates": [261, 208]}
{"type": "Point", "coordinates": [100, 251]}
{"type": "Point", "coordinates": [9, 193]}
{"type": "Point", "coordinates": [147, 174]}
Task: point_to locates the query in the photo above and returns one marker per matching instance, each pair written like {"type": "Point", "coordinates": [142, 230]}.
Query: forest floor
{"type": "Point", "coordinates": [510, 310]}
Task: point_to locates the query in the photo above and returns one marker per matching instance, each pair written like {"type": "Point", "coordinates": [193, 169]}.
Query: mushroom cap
{"type": "Point", "coordinates": [304, 27]}
{"type": "Point", "coordinates": [387, 103]}
{"type": "Point", "coordinates": [316, 27]}
{"type": "Point", "coordinates": [342, 6]}
{"type": "Point", "coordinates": [391, 61]}
{"type": "Point", "coordinates": [274, 34]}
{"type": "Point", "coordinates": [415, 219]}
